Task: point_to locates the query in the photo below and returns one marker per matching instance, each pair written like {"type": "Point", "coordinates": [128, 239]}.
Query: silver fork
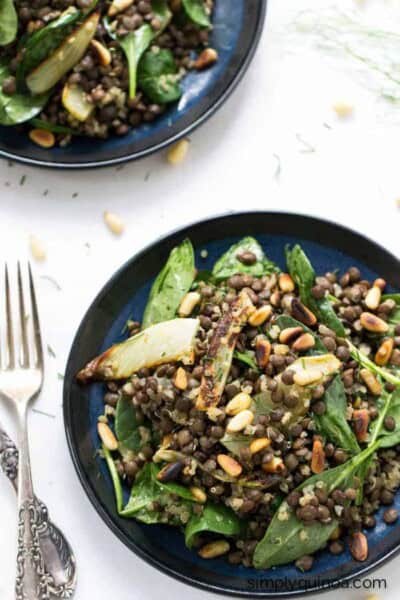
{"type": "Point", "coordinates": [21, 379]}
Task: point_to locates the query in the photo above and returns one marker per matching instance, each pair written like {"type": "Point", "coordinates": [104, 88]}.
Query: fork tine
{"type": "Point", "coordinates": [35, 319]}
{"type": "Point", "coordinates": [24, 358]}
{"type": "Point", "coordinates": [9, 324]}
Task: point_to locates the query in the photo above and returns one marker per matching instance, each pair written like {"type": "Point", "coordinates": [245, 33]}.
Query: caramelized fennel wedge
{"type": "Point", "coordinates": [51, 70]}
{"type": "Point", "coordinates": [162, 343]}
{"type": "Point", "coordinates": [221, 350]}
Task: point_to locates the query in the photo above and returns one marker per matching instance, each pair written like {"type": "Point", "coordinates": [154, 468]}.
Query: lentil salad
{"type": "Point", "coordinates": [97, 68]}
{"type": "Point", "coordinates": [254, 406]}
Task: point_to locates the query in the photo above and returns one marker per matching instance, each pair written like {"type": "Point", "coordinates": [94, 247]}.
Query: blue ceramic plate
{"type": "Point", "coordinates": [123, 297]}
{"type": "Point", "coordinates": [237, 28]}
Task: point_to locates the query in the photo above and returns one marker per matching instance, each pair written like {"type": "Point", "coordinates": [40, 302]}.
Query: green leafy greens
{"type": "Point", "coordinates": [229, 264]}
{"type": "Point", "coordinates": [215, 518]}
{"type": "Point", "coordinates": [303, 274]}
{"type": "Point", "coordinates": [158, 76]}
{"type": "Point", "coordinates": [195, 10]}
{"type": "Point", "coordinates": [18, 108]}
{"type": "Point", "coordinates": [171, 285]}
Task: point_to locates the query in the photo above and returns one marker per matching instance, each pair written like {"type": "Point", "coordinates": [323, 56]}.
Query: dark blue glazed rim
{"type": "Point", "coordinates": [330, 247]}
{"type": "Point", "coordinates": [237, 28]}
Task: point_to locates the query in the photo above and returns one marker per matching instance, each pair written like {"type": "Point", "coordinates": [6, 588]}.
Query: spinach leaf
{"type": "Point", "coordinates": [8, 22]}
{"type": "Point", "coordinates": [366, 362]}
{"type": "Point", "coordinates": [285, 321]}
{"type": "Point", "coordinates": [388, 406]}
{"type": "Point", "coordinates": [216, 518]}
{"type": "Point", "coordinates": [333, 424]}
{"type": "Point", "coordinates": [43, 42]}
{"type": "Point", "coordinates": [303, 274]}
{"type": "Point", "coordinates": [147, 489]}
{"type": "Point", "coordinates": [247, 358]}
{"type": "Point", "coordinates": [195, 10]}
{"type": "Point", "coordinates": [136, 43]}
{"type": "Point", "coordinates": [41, 124]}
{"type": "Point", "coordinates": [158, 76]}
{"type": "Point", "coordinates": [286, 538]}
{"type": "Point", "coordinates": [229, 264]}
{"type": "Point", "coordinates": [171, 285]}
{"type": "Point", "coordinates": [361, 473]}
{"type": "Point", "coordinates": [126, 425]}
{"type": "Point", "coordinates": [115, 478]}
{"type": "Point", "coordinates": [234, 442]}
{"type": "Point", "coordinates": [18, 108]}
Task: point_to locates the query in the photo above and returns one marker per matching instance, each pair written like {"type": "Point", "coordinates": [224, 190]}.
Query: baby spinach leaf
{"type": "Point", "coordinates": [366, 362]}
{"type": "Point", "coordinates": [18, 108]}
{"type": "Point", "coordinates": [136, 43]}
{"type": "Point", "coordinates": [115, 478]}
{"type": "Point", "coordinates": [171, 285]}
{"type": "Point", "coordinates": [126, 425]}
{"type": "Point", "coordinates": [41, 124]}
{"type": "Point", "coordinates": [229, 264]}
{"type": "Point", "coordinates": [285, 321]}
{"type": "Point", "coordinates": [286, 538]}
{"type": "Point", "coordinates": [43, 42]}
{"type": "Point", "coordinates": [247, 358]}
{"type": "Point", "coordinates": [147, 489]}
{"type": "Point", "coordinates": [361, 473]}
{"type": "Point", "coordinates": [158, 76]}
{"type": "Point", "coordinates": [195, 10]}
{"type": "Point", "coordinates": [216, 518]}
{"type": "Point", "coordinates": [234, 442]}
{"type": "Point", "coordinates": [388, 406]}
{"type": "Point", "coordinates": [303, 274]}
{"type": "Point", "coordinates": [333, 424]}
{"type": "Point", "coordinates": [8, 22]}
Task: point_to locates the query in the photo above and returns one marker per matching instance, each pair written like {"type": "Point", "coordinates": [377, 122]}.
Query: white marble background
{"type": "Point", "coordinates": [350, 177]}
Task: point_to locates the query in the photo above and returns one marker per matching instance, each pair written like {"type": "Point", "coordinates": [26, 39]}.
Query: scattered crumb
{"type": "Point", "coordinates": [53, 281]}
{"type": "Point", "coordinates": [50, 351]}
{"type": "Point", "coordinates": [278, 168]}
{"type": "Point", "coordinates": [307, 147]}
{"type": "Point", "coordinates": [204, 253]}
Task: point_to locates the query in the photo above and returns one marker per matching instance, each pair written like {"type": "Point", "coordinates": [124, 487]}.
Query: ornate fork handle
{"type": "Point", "coordinates": [55, 550]}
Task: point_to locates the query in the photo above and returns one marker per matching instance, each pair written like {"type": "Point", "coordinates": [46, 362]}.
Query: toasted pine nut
{"type": "Point", "coordinates": [373, 297]}
{"type": "Point", "coordinates": [198, 494]}
{"type": "Point", "coordinates": [114, 223]}
{"type": "Point", "coordinates": [289, 334]}
{"type": "Point", "coordinates": [214, 549]}
{"type": "Point", "coordinates": [238, 403]}
{"type": "Point", "coordinates": [372, 323]}
{"type": "Point", "coordinates": [303, 343]}
{"type": "Point", "coordinates": [358, 545]}
{"type": "Point", "coordinates": [178, 152]}
{"type": "Point", "coordinates": [103, 53]}
{"type": "Point", "coordinates": [302, 313]}
{"type": "Point", "coordinates": [107, 436]}
{"type": "Point", "coordinates": [37, 248]}
{"type": "Point", "coordinates": [259, 444]}
{"type": "Point", "coordinates": [42, 138]}
{"type": "Point", "coordinates": [263, 352]}
{"type": "Point", "coordinates": [281, 349]}
{"type": "Point", "coordinates": [371, 382]}
{"type": "Point", "coordinates": [118, 6]}
{"type": "Point", "coordinates": [384, 352]}
{"type": "Point", "coordinates": [380, 283]}
{"type": "Point", "coordinates": [318, 457]}
{"type": "Point", "coordinates": [260, 315]}
{"type": "Point", "coordinates": [229, 465]}
{"type": "Point", "coordinates": [273, 466]}
{"type": "Point", "coordinates": [240, 421]}
{"type": "Point", "coordinates": [360, 424]}
{"type": "Point", "coordinates": [206, 58]}
{"type": "Point", "coordinates": [343, 109]}
{"type": "Point", "coordinates": [275, 298]}
{"type": "Point", "coordinates": [286, 283]}
{"type": "Point", "coordinates": [189, 301]}
{"type": "Point", "coordinates": [180, 379]}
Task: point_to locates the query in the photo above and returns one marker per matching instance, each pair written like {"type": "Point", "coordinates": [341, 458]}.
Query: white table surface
{"type": "Point", "coordinates": [351, 178]}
